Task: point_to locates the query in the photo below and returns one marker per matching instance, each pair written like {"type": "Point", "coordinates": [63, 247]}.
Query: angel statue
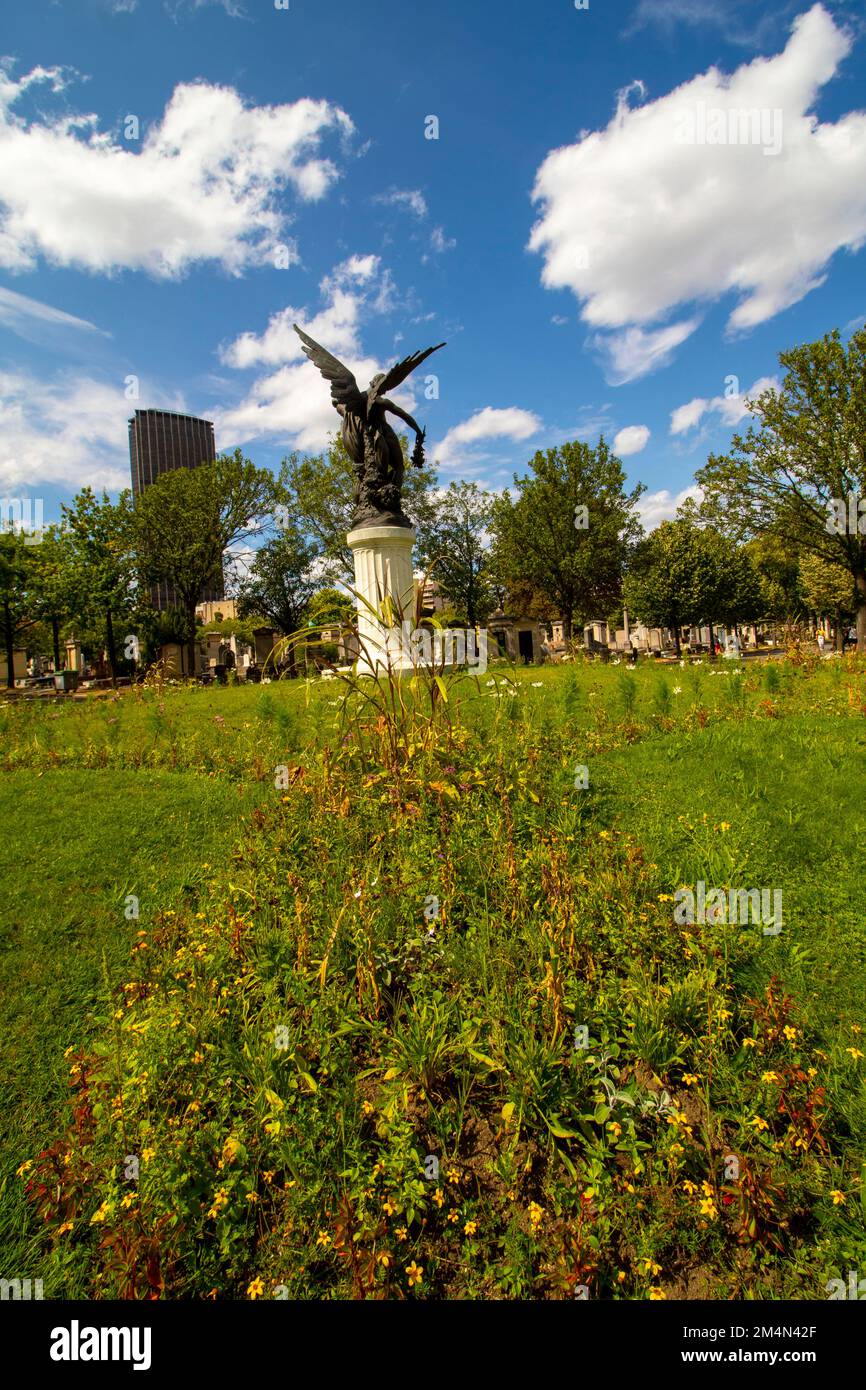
{"type": "Point", "coordinates": [370, 442]}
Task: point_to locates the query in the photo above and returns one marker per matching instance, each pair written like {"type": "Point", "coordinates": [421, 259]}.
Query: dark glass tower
{"type": "Point", "coordinates": [160, 440]}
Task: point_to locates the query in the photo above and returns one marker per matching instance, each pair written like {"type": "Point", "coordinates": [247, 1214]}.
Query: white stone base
{"type": "Point", "coordinates": [384, 595]}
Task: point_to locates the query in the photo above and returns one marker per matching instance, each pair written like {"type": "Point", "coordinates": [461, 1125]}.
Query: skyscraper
{"type": "Point", "coordinates": [159, 441]}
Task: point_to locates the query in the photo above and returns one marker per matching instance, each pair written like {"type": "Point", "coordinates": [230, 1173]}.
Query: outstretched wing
{"type": "Point", "coordinates": [399, 372]}
{"type": "Point", "coordinates": [344, 387]}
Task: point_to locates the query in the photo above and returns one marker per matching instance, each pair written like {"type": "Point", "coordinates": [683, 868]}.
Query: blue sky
{"type": "Point", "coordinates": [598, 254]}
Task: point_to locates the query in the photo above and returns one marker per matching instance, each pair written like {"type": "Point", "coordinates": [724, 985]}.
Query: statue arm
{"type": "Point", "coordinates": [403, 415]}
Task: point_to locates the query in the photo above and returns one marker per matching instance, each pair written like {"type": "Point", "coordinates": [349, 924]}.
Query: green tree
{"type": "Point", "coordinates": [53, 578]}
{"type": "Point", "coordinates": [101, 563]}
{"type": "Point", "coordinates": [805, 456]}
{"type": "Point", "coordinates": [541, 539]}
{"type": "Point", "coordinates": [456, 550]}
{"type": "Point", "coordinates": [828, 588]}
{"type": "Point", "coordinates": [280, 584]}
{"type": "Point", "coordinates": [188, 518]}
{"type": "Point", "coordinates": [677, 577]}
{"type": "Point", "coordinates": [15, 564]}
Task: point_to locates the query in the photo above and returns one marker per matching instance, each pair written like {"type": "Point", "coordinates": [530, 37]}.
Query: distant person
{"type": "Point", "coordinates": [822, 638]}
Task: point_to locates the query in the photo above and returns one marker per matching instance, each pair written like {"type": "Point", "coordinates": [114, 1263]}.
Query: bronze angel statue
{"type": "Point", "coordinates": [371, 443]}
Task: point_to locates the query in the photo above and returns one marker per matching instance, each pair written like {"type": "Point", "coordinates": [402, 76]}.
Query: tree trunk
{"type": "Point", "coordinates": [190, 648]}
{"type": "Point", "coordinates": [838, 634]}
{"type": "Point", "coordinates": [55, 638]}
{"type": "Point", "coordinates": [9, 638]}
{"type": "Point", "coordinates": [677, 641]}
{"type": "Point", "coordinates": [860, 581]}
{"type": "Point", "coordinates": [565, 619]}
{"type": "Point", "coordinates": [110, 647]}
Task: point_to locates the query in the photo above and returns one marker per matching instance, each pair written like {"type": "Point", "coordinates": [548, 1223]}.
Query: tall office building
{"type": "Point", "coordinates": [160, 440]}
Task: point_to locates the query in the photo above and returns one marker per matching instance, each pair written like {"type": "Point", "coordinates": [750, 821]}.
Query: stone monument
{"type": "Point", "coordinates": [382, 535]}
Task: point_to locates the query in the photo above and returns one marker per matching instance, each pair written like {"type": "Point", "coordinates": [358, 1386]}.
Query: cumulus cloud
{"type": "Point", "coordinates": [655, 507]}
{"type": "Point", "coordinates": [730, 409]}
{"type": "Point", "coordinates": [202, 186]}
{"type": "Point", "coordinates": [638, 222]}
{"type": "Point", "coordinates": [630, 440]}
{"type": "Point", "coordinates": [489, 423]}
{"type": "Point", "coordinates": [71, 431]}
{"type": "Point", "coordinates": [293, 404]}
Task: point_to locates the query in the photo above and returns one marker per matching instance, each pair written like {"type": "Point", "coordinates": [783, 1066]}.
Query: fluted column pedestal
{"type": "Point", "coordinates": [385, 596]}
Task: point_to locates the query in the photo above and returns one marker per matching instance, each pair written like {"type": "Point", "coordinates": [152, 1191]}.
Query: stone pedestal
{"type": "Point", "coordinates": [384, 595]}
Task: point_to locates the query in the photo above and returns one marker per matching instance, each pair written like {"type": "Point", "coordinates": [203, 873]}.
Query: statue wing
{"type": "Point", "coordinates": [344, 387]}
{"type": "Point", "coordinates": [399, 372]}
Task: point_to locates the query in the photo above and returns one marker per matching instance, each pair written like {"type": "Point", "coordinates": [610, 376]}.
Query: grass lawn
{"type": "Point", "coordinates": [74, 845]}
{"type": "Point", "coordinates": [427, 940]}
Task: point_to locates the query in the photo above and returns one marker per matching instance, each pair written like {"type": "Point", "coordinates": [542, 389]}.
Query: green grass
{"type": "Point", "coordinates": [427, 911]}
{"type": "Point", "coordinates": [74, 845]}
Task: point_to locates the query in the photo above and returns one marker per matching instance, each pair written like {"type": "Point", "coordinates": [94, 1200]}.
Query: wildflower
{"type": "Point", "coordinates": [855, 1052]}
{"type": "Point", "coordinates": [64, 1227]}
{"type": "Point", "coordinates": [101, 1214]}
{"type": "Point", "coordinates": [385, 1259]}
{"type": "Point", "coordinates": [535, 1214]}
{"type": "Point", "coordinates": [770, 1076]}
{"type": "Point", "coordinates": [690, 1079]}
{"type": "Point", "coordinates": [453, 1216]}
{"type": "Point", "coordinates": [657, 1295]}
{"type": "Point", "coordinates": [268, 1174]}
{"type": "Point", "coordinates": [689, 1187]}
{"type": "Point", "coordinates": [678, 690]}
{"type": "Point", "coordinates": [650, 1267]}
{"type": "Point", "coordinates": [415, 1272]}
{"type": "Point", "coordinates": [256, 1289]}
{"type": "Point", "coordinates": [377, 1169]}
{"type": "Point", "coordinates": [128, 1201]}
{"type": "Point", "coordinates": [453, 1175]}
{"type": "Point", "coordinates": [252, 1196]}
{"type": "Point", "coordinates": [323, 1238]}
{"type": "Point", "coordinates": [725, 825]}
{"type": "Point", "coordinates": [750, 1042]}
{"type": "Point", "coordinates": [708, 1208]}
{"type": "Point", "coordinates": [147, 1155]}
{"type": "Point", "coordinates": [470, 1228]}
{"type": "Point", "coordinates": [25, 1168]}
{"type": "Point", "coordinates": [757, 1123]}
{"type": "Point", "coordinates": [615, 1128]}
{"type": "Point", "coordinates": [438, 1197]}
{"type": "Point", "coordinates": [388, 1208]}
{"type": "Point", "coordinates": [790, 1033]}
{"type": "Point", "coordinates": [839, 1198]}
{"type": "Point", "coordinates": [402, 1233]}
{"type": "Point", "coordinates": [367, 1108]}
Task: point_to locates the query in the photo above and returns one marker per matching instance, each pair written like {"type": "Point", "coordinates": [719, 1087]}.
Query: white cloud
{"type": "Point", "coordinates": [202, 184]}
{"type": "Point", "coordinates": [439, 242]}
{"type": "Point", "coordinates": [630, 440]}
{"type": "Point", "coordinates": [71, 432]}
{"type": "Point", "coordinates": [634, 352]}
{"type": "Point", "coordinates": [410, 199]}
{"type": "Point", "coordinates": [637, 223]}
{"type": "Point", "coordinates": [489, 423]}
{"type": "Point", "coordinates": [655, 507]}
{"type": "Point", "coordinates": [17, 311]}
{"type": "Point", "coordinates": [731, 409]}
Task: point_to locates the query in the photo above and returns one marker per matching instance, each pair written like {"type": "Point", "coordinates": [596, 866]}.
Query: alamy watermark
{"type": "Point", "coordinates": [846, 516]}
{"type": "Point", "coordinates": [736, 907]}
{"type": "Point", "coordinates": [23, 516]}
{"type": "Point", "coordinates": [735, 125]}
{"type": "Point", "coordinates": [450, 646]}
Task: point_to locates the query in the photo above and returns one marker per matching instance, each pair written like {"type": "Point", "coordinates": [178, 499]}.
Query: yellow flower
{"type": "Point", "coordinates": [128, 1201]}
{"type": "Point", "coordinates": [620, 1278]}
{"type": "Point", "coordinates": [256, 1289]}
{"type": "Point", "coordinates": [25, 1168]}
{"type": "Point", "coordinates": [385, 1259]}
{"type": "Point", "coordinates": [790, 1033]}
{"type": "Point", "coordinates": [453, 1216]}
{"type": "Point", "coordinates": [615, 1128]}
{"type": "Point", "coordinates": [725, 825]}
{"type": "Point", "coordinates": [367, 1108]}
{"type": "Point", "coordinates": [268, 1174]}
{"type": "Point", "coordinates": [757, 1123]}
{"type": "Point", "coordinates": [64, 1227]}
{"type": "Point", "coordinates": [231, 1149]}
{"type": "Point", "coordinates": [770, 1076]}
{"type": "Point", "coordinates": [402, 1233]}
{"type": "Point", "coordinates": [708, 1208]}
{"type": "Point", "coordinates": [453, 1175]}
{"type": "Point", "coordinates": [689, 1187]}
{"type": "Point", "coordinates": [323, 1238]}
{"type": "Point", "coordinates": [415, 1273]}
{"type": "Point", "coordinates": [388, 1208]}
{"type": "Point", "coordinates": [690, 1079]}
{"type": "Point", "coordinates": [839, 1198]}
{"type": "Point", "coordinates": [252, 1196]}
{"type": "Point", "coordinates": [101, 1214]}
{"type": "Point", "coordinates": [535, 1214]}
{"type": "Point", "coordinates": [470, 1228]}
{"type": "Point", "coordinates": [657, 1295]}
{"type": "Point", "coordinates": [750, 1042]}
{"type": "Point", "coordinates": [650, 1267]}
{"type": "Point", "coordinates": [438, 1197]}
{"type": "Point", "coordinates": [855, 1052]}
